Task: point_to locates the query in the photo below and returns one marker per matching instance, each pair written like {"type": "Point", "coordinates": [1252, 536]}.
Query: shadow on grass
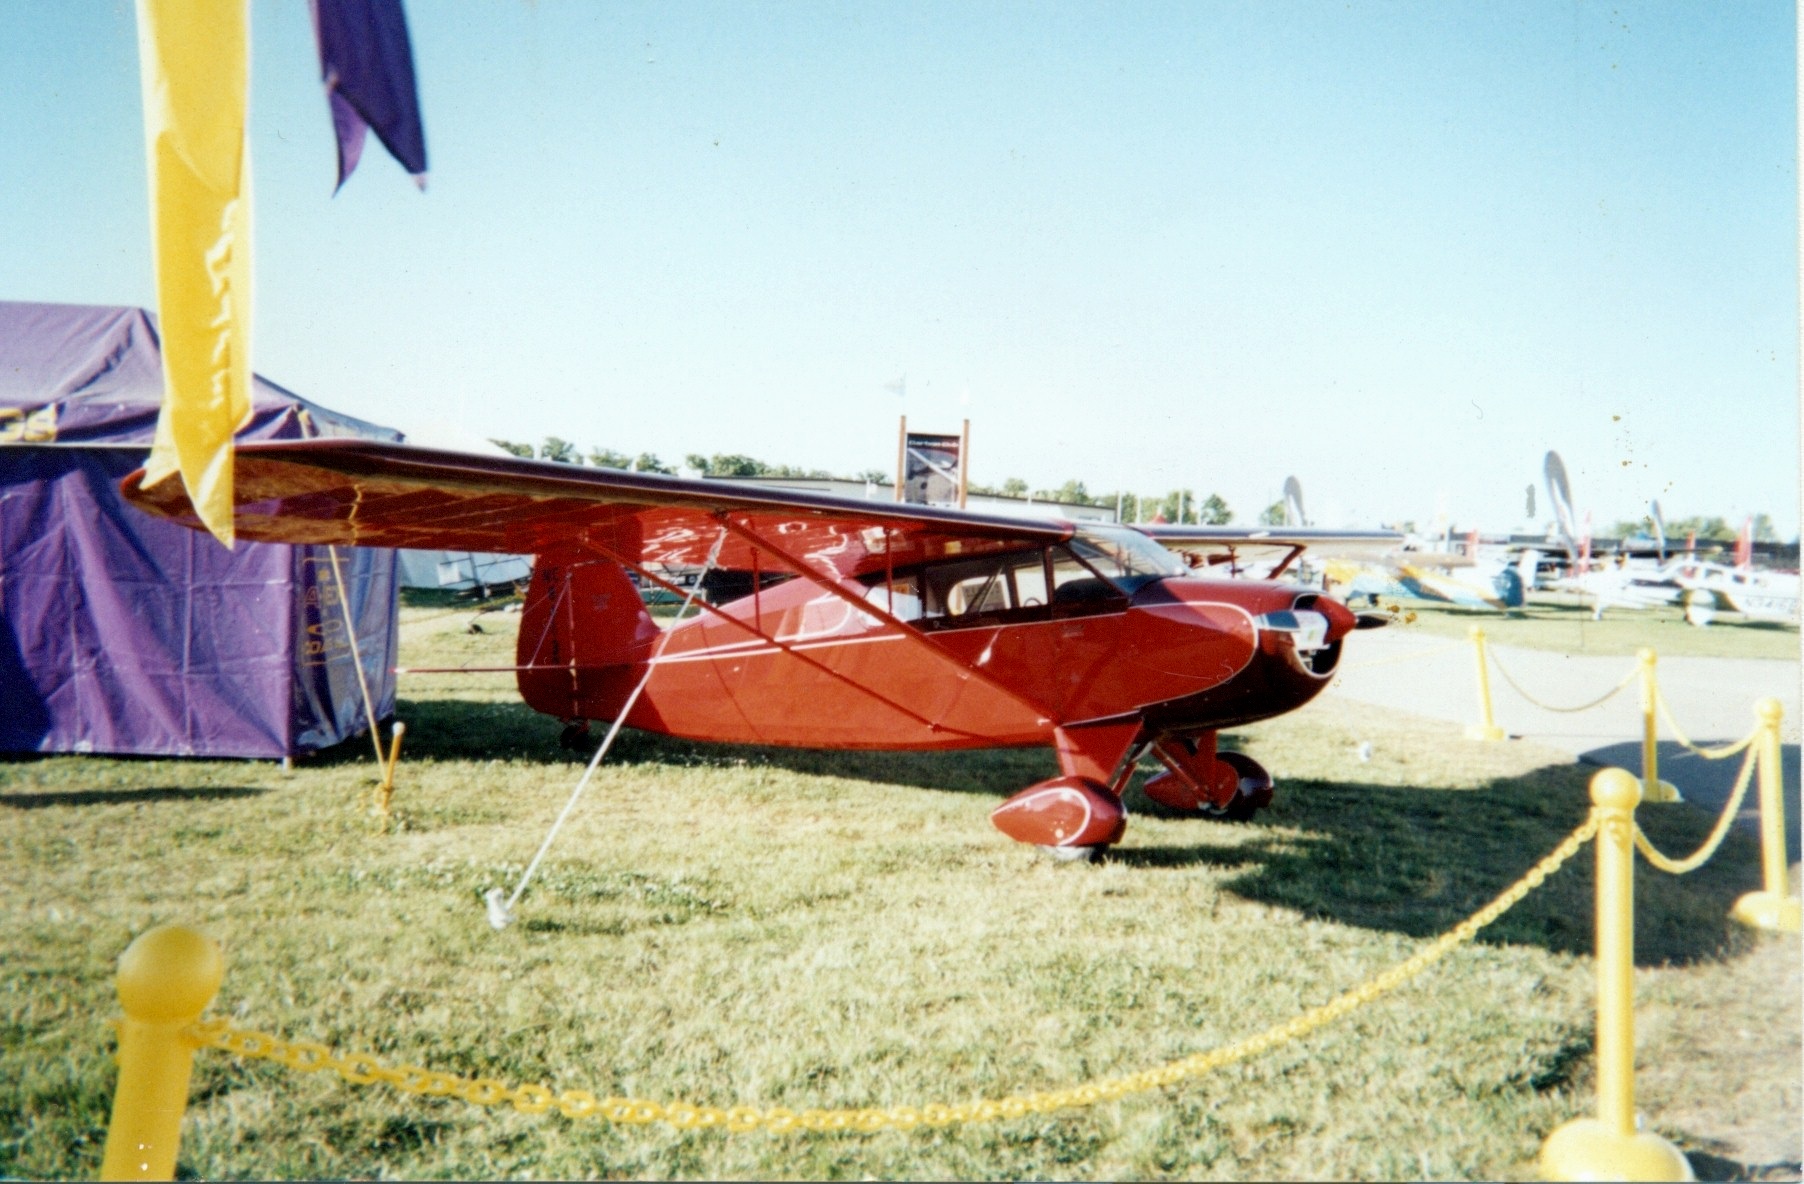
{"type": "Point", "coordinates": [122, 797]}
{"type": "Point", "coordinates": [460, 729]}
{"type": "Point", "coordinates": [1708, 784]}
{"type": "Point", "coordinates": [1419, 861]}
{"type": "Point", "coordinates": [1714, 1167]}
{"type": "Point", "coordinates": [1409, 860]}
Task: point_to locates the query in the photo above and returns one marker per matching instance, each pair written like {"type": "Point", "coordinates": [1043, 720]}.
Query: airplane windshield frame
{"type": "Point", "coordinates": [1125, 557]}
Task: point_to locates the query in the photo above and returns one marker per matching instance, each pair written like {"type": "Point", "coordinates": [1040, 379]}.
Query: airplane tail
{"type": "Point", "coordinates": [1559, 493]}
{"type": "Point", "coordinates": [1511, 588]}
{"type": "Point", "coordinates": [584, 636]}
{"type": "Point", "coordinates": [1293, 503]}
{"type": "Point", "coordinates": [1529, 568]}
{"type": "Point", "coordinates": [1659, 529]}
{"type": "Point", "coordinates": [1744, 545]}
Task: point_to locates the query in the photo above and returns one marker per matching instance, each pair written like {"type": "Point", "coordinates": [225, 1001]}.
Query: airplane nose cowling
{"type": "Point", "coordinates": [1341, 619]}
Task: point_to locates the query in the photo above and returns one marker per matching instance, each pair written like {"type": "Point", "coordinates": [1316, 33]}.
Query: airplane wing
{"type": "Point", "coordinates": [375, 494]}
{"type": "Point", "coordinates": [1274, 536]}
{"type": "Point", "coordinates": [1273, 547]}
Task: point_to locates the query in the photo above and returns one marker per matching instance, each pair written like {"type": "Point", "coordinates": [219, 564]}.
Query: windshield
{"type": "Point", "coordinates": [1127, 558]}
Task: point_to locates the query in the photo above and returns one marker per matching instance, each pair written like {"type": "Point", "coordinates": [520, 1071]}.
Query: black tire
{"type": "Point", "coordinates": [1246, 802]}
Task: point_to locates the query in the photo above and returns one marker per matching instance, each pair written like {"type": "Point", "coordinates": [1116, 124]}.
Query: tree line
{"type": "Point", "coordinates": [1708, 529]}
{"type": "Point", "coordinates": [1179, 506]}
{"type": "Point", "coordinates": [1176, 506]}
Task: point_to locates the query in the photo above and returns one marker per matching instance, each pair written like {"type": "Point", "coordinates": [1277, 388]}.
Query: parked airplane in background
{"type": "Point", "coordinates": [863, 624]}
{"type": "Point", "coordinates": [1356, 564]}
{"type": "Point", "coordinates": [1712, 588]}
{"type": "Point", "coordinates": [1705, 588]}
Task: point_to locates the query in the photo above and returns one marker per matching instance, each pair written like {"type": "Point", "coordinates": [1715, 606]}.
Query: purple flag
{"type": "Point", "coordinates": [367, 64]}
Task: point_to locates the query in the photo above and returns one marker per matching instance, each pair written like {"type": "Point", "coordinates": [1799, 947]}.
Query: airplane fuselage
{"type": "Point", "coordinates": [801, 666]}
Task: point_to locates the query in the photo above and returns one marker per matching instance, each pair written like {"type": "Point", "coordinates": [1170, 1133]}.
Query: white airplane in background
{"type": "Point", "coordinates": [1620, 581]}
{"type": "Point", "coordinates": [1712, 588]}
{"type": "Point", "coordinates": [1705, 588]}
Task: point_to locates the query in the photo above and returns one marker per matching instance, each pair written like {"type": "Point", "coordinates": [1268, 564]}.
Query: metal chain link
{"type": "Point", "coordinates": [1698, 858]}
{"type": "Point", "coordinates": [365, 1069]}
{"type": "Point", "coordinates": [1597, 702]}
{"type": "Point", "coordinates": [1722, 752]}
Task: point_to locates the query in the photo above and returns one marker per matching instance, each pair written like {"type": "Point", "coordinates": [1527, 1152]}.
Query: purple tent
{"type": "Point", "coordinates": [124, 633]}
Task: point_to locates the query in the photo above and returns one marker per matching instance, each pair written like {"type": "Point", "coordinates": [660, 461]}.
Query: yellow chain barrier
{"type": "Point", "coordinates": [364, 1069]}
{"type": "Point", "coordinates": [1597, 702]}
{"type": "Point", "coordinates": [1723, 752]}
{"type": "Point", "coordinates": [1698, 858]}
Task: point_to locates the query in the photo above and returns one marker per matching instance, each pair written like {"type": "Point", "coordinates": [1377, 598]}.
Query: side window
{"type": "Point", "coordinates": [1075, 584]}
{"type": "Point", "coordinates": [995, 589]}
{"type": "Point", "coordinates": [984, 590]}
{"type": "Point", "coordinates": [1029, 577]}
{"type": "Point", "coordinates": [901, 598]}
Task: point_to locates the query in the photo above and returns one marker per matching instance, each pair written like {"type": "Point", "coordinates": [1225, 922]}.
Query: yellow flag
{"type": "Point", "coordinates": [193, 57]}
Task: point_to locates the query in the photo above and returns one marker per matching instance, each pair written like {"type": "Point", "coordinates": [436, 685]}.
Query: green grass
{"type": "Point", "coordinates": [1563, 625]}
{"type": "Point", "coordinates": [727, 924]}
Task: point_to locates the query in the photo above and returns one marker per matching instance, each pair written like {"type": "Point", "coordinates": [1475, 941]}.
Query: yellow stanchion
{"type": "Point", "coordinates": [1609, 1147]}
{"type": "Point", "coordinates": [1652, 788]}
{"type": "Point", "coordinates": [385, 791]}
{"type": "Point", "coordinates": [1773, 907]}
{"type": "Point", "coordinates": [1486, 728]}
{"type": "Point", "coordinates": [166, 979]}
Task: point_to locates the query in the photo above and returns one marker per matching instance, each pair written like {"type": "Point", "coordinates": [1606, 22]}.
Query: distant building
{"type": "Point", "coordinates": [885, 491]}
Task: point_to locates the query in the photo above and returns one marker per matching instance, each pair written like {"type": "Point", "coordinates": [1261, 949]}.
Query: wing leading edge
{"type": "Point", "coordinates": [375, 494]}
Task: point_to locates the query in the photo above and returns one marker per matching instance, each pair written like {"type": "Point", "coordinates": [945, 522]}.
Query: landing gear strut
{"type": "Point", "coordinates": [1198, 778]}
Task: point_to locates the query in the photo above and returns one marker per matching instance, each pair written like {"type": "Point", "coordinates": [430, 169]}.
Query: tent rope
{"type": "Point", "coordinates": [369, 705]}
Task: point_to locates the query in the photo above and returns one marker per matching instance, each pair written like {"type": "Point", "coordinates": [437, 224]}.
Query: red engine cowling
{"type": "Point", "coordinates": [1066, 812]}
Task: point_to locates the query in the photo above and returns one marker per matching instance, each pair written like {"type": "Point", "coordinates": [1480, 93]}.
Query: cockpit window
{"type": "Point", "coordinates": [1093, 574]}
{"type": "Point", "coordinates": [1126, 558]}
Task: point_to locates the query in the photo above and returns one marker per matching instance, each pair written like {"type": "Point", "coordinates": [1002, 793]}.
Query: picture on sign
{"type": "Point", "coordinates": [930, 469]}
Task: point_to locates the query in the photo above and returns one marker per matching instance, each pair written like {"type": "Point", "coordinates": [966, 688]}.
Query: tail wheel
{"type": "Point", "coordinates": [575, 737]}
{"type": "Point", "coordinates": [1254, 793]}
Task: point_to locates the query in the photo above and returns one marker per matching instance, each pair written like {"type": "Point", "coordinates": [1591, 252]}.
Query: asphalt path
{"type": "Point", "coordinates": [1711, 698]}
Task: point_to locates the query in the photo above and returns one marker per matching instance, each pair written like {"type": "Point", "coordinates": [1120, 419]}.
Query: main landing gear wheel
{"type": "Point", "coordinates": [1253, 794]}
{"type": "Point", "coordinates": [1227, 785]}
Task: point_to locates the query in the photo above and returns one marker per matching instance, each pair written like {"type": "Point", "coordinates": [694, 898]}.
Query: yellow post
{"type": "Point", "coordinates": [166, 979]}
{"type": "Point", "coordinates": [385, 792]}
{"type": "Point", "coordinates": [1486, 728]}
{"type": "Point", "coordinates": [1609, 1147]}
{"type": "Point", "coordinates": [1773, 907]}
{"type": "Point", "coordinates": [1652, 788]}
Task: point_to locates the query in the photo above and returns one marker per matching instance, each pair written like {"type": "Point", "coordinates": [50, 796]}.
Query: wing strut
{"type": "Point", "coordinates": [769, 639]}
{"type": "Point", "coordinates": [870, 608]}
{"type": "Point", "coordinates": [501, 913]}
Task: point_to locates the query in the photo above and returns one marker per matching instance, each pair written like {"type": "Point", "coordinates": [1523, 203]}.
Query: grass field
{"type": "Point", "coordinates": [1561, 623]}
{"type": "Point", "coordinates": [831, 929]}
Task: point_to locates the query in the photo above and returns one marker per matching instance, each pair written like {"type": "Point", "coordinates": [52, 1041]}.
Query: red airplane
{"type": "Point", "coordinates": [858, 624]}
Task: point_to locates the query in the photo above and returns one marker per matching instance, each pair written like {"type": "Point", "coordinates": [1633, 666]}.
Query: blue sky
{"type": "Point", "coordinates": [1399, 250]}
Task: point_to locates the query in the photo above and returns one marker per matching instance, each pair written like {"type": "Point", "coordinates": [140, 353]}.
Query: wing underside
{"type": "Point", "coordinates": [372, 494]}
